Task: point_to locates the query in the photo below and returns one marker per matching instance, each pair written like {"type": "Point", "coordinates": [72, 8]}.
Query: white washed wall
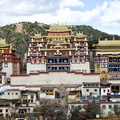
{"type": "Point", "coordinates": [35, 67]}
{"type": "Point", "coordinates": [8, 69]}
{"type": "Point", "coordinates": [80, 66]}
{"type": "Point", "coordinates": [54, 78]}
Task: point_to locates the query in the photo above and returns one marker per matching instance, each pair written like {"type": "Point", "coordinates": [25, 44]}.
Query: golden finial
{"type": "Point", "coordinates": [106, 39]}
{"type": "Point", "coordinates": [99, 39]}
{"type": "Point", "coordinates": [113, 37]}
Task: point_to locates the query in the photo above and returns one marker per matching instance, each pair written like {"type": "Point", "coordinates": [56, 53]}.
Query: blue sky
{"type": "Point", "coordinates": [100, 14]}
{"type": "Point", "coordinates": [90, 4]}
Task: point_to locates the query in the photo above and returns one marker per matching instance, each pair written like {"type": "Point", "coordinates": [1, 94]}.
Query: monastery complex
{"type": "Point", "coordinates": [60, 58]}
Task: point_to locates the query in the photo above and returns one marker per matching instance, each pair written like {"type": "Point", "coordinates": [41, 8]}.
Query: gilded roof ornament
{"type": "Point", "coordinates": [113, 37]}
{"type": "Point", "coordinates": [99, 39]}
{"type": "Point", "coordinates": [2, 41]}
{"type": "Point", "coordinates": [38, 34]}
{"type": "Point", "coordinates": [58, 27]}
{"type": "Point", "coordinates": [4, 44]}
{"type": "Point", "coordinates": [106, 39]}
{"type": "Point", "coordinates": [80, 34]}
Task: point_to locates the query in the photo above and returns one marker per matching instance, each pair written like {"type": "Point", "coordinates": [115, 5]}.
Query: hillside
{"type": "Point", "coordinates": [19, 34]}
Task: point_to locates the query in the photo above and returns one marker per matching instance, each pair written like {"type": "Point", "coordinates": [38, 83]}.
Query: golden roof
{"type": "Point", "coordinates": [80, 34]}
{"type": "Point", "coordinates": [107, 42]}
{"type": "Point", "coordinates": [37, 35]}
{"type": "Point", "coordinates": [3, 43]}
{"type": "Point", "coordinates": [58, 28]}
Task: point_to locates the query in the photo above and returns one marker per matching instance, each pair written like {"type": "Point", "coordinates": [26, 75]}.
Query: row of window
{"type": "Point", "coordinates": [12, 93]}
{"type": "Point", "coordinates": [58, 60]}
{"type": "Point", "coordinates": [114, 70]}
{"type": "Point", "coordinates": [110, 65]}
{"type": "Point", "coordinates": [102, 65]}
{"type": "Point", "coordinates": [101, 60]}
{"type": "Point", "coordinates": [91, 85]}
{"type": "Point", "coordinates": [46, 90]}
{"type": "Point", "coordinates": [109, 106]}
{"type": "Point", "coordinates": [114, 65]}
{"type": "Point", "coordinates": [114, 59]}
{"type": "Point", "coordinates": [83, 71]}
{"type": "Point", "coordinates": [6, 65]}
{"type": "Point", "coordinates": [42, 61]}
{"type": "Point", "coordinates": [95, 90]}
{"type": "Point", "coordinates": [78, 60]}
{"type": "Point", "coordinates": [2, 110]}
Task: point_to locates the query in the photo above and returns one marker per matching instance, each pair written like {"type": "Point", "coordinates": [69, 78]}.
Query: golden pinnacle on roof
{"type": "Point", "coordinates": [2, 41]}
{"type": "Point", "coordinates": [58, 27]}
{"type": "Point", "coordinates": [113, 37]}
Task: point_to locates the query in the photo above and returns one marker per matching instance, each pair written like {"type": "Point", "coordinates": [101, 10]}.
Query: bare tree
{"type": "Point", "coordinates": [50, 110]}
{"type": "Point", "coordinates": [76, 113]}
{"type": "Point", "coordinates": [116, 109]}
{"type": "Point", "coordinates": [91, 109]}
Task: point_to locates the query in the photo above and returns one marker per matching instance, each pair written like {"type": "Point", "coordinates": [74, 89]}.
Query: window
{"type": "Point", "coordinates": [110, 59]}
{"type": "Point", "coordinates": [95, 90]}
{"type": "Point", "coordinates": [73, 60]}
{"type": "Point", "coordinates": [37, 71]}
{"type": "Point", "coordinates": [5, 59]}
{"type": "Point", "coordinates": [31, 71]}
{"type": "Point", "coordinates": [32, 96]}
{"type": "Point", "coordinates": [5, 65]}
{"type": "Point", "coordinates": [8, 93]}
{"type": "Point", "coordinates": [104, 107]}
{"type": "Point", "coordinates": [102, 65]}
{"type": "Point", "coordinates": [15, 65]}
{"type": "Point", "coordinates": [0, 110]}
{"type": "Point", "coordinates": [114, 59]}
{"type": "Point", "coordinates": [106, 66]}
{"type": "Point", "coordinates": [108, 90]}
{"type": "Point", "coordinates": [78, 60]}
{"type": "Point", "coordinates": [42, 61]}
{"type": "Point", "coordinates": [32, 61]}
{"type": "Point", "coordinates": [0, 81]}
{"type": "Point", "coordinates": [106, 60]}
{"type": "Point", "coordinates": [12, 93]}
{"type": "Point", "coordinates": [87, 90]}
{"type": "Point", "coordinates": [102, 60]}
{"type": "Point", "coordinates": [98, 66]}
{"type": "Point", "coordinates": [37, 61]}
{"type": "Point", "coordinates": [15, 72]}
{"type": "Point", "coordinates": [83, 61]}
{"type": "Point", "coordinates": [16, 93]}
{"type": "Point", "coordinates": [110, 106]}
{"type": "Point", "coordinates": [0, 76]}
{"type": "Point", "coordinates": [6, 110]}
{"type": "Point", "coordinates": [84, 71]}
{"type": "Point", "coordinates": [103, 90]}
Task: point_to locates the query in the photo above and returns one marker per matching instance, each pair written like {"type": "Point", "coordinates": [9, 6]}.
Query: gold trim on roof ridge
{"type": "Point", "coordinates": [3, 41]}
{"type": "Point", "coordinates": [80, 34]}
{"type": "Point", "coordinates": [58, 27]}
